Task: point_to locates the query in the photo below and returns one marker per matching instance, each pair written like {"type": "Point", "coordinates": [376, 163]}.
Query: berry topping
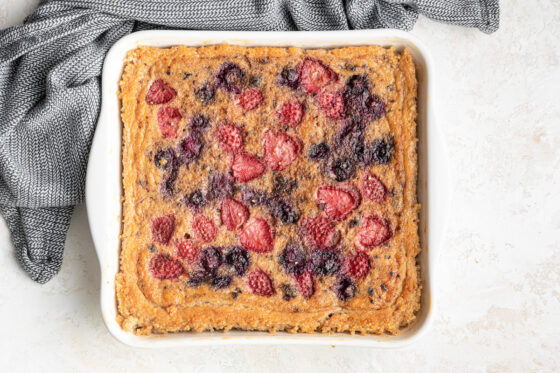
{"type": "Point", "coordinates": [164, 267]}
{"type": "Point", "coordinates": [253, 197]}
{"type": "Point", "coordinates": [357, 265]}
{"type": "Point", "coordinates": [257, 236]}
{"type": "Point", "coordinates": [199, 276]}
{"type": "Point", "coordinates": [221, 282]}
{"type": "Point", "coordinates": [332, 104]}
{"type": "Point", "coordinates": [230, 77]}
{"type": "Point", "coordinates": [290, 113]}
{"type": "Point", "coordinates": [162, 228]}
{"type": "Point", "coordinates": [210, 259]}
{"type": "Point", "coordinates": [381, 151]}
{"type": "Point", "coordinates": [357, 85]}
{"type": "Point", "coordinates": [247, 167]}
{"type": "Point", "coordinates": [280, 149]}
{"type": "Point", "coordinates": [289, 77]}
{"type": "Point", "coordinates": [230, 137]}
{"type": "Point", "coordinates": [373, 232]}
{"type": "Point", "coordinates": [159, 93]}
{"type": "Point", "coordinates": [251, 99]}
{"type": "Point", "coordinates": [344, 288]}
{"type": "Point", "coordinates": [337, 201]}
{"type": "Point", "coordinates": [204, 229]}
{"type": "Point", "coordinates": [260, 283]}
{"type": "Point", "coordinates": [325, 262]}
{"type": "Point", "coordinates": [205, 93]}
{"type": "Point", "coordinates": [314, 75]}
{"type": "Point", "coordinates": [238, 258]}
{"type": "Point", "coordinates": [319, 233]}
{"type": "Point", "coordinates": [373, 188]}
{"type": "Point", "coordinates": [304, 284]}
{"type": "Point", "coordinates": [198, 123]}
{"type": "Point", "coordinates": [360, 103]}
{"type": "Point", "coordinates": [283, 210]}
{"type": "Point", "coordinates": [350, 135]}
{"type": "Point", "coordinates": [233, 213]}
{"type": "Point", "coordinates": [168, 117]}
{"type": "Point", "coordinates": [292, 258]}
{"type": "Point", "coordinates": [288, 292]}
{"type": "Point", "coordinates": [164, 158]}
{"type": "Point", "coordinates": [195, 201]}
{"type": "Point", "coordinates": [187, 250]}
{"type": "Point", "coordinates": [318, 151]}
{"type": "Point", "coordinates": [219, 185]}
{"type": "Point", "coordinates": [341, 169]}
{"type": "Point", "coordinates": [190, 147]}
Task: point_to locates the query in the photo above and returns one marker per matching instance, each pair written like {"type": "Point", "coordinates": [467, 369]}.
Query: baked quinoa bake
{"type": "Point", "coordinates": [268, 189]}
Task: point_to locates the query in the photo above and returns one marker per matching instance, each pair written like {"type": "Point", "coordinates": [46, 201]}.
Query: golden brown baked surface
{"type": "Point", "coordinates": [235, 215]}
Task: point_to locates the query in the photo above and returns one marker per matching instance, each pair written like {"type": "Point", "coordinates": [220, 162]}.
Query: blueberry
{"type": "Point", "coordinates": [318, 151]}
{"type": "Point", "coordinates": [195, 201]}
{"type": "Point", "coordinates": [198, 123]}
{"type": "Point", "coordinates": [344, 288]}
{"type": "Point", "coordinates": [219, 185]}
{"type": "Point", "coordinates": [253, 197]}
{"type": "Point", "coordinates": [164, 158]}
{"type": "Point", "coordinates": [238, 258]}
{"type": "Point", "coordinates": [221, 282]}
{"type": "Point", "coordinates": [293, 259]}
{"type": "Point", "coordinates": [230, 77]}
{"type": "Point", "coordinates": [325, 262]}
{"type": "Point", "coordinates": [381, 150]}
{"type": "Point", "coordinates": [211, 259]}
{"type": "Point", "coordinates": [289, 77]}
{"type": "Point", "coordinates": [341, 169]}
{"type": "Point", "coordinates": [205, 93]}
{"type": "Point", "coordinates": [191, 147]}
{"type": "Point", "coordinates": [283, 210]}
{"type": "Point", "coordinates": [288, 292]}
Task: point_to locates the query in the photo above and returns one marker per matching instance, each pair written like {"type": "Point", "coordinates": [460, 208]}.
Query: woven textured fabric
{"type": "Point", "coordinates": [50, 88]}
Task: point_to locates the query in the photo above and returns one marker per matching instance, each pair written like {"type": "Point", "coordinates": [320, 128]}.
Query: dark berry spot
{"type": "Point", "coordinates": [293, 259]}
{"type": "Point", "coordinates": [383, 287]}
{"type": "Point", "coordinates": [238, 258]}
{"type": "Point", "coordinates": [318, 151]}
{"type": "Point", "coordinates": [341, 169]}
{"type": "Point", "coordinates": [221, 282]}
{"type": "Point", "coordinates": [230, 77]}
{"type": "Point", "coordinates": [370, 291]}
{"type": "Point", "coordinates": [344, 288]}
{"type": "Point", "coordinates": [283, 210]}
{"type": "Point", "coordinates": [195, 201]}
{"type": "Point", "coordinates": [253, 197]}
{"type": "Point", "coordinates": [164, 158]}
{"type": "Point", "coordinates": [381, 151]}
{"type": "Point", "coordinates": [283, 185]}
{"type": "Point", "coordinates": [352, 223]}
{"type": "Point", "coordinates": [199, 276]}
{"type": "Point", "coordinates": [288, 292]}
{"type": "Point", "coordinates": [219, 185]}
{"type": "Point", "coordinates": [211, 259]}
{"type": "Point", "coordinates": [190, 147]}
{"type": "Point", "coordinates": [289, 77]}
{"type": "Point", "coordinates": [325, 262]}
{"type": "Point", "coordinates": [198, 123]}
{"type": "Point", "coordinates": [205, 93]}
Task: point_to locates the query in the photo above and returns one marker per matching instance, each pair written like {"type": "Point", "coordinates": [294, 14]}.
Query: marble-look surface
{"type": "Point", "coordinates": [499, 303]}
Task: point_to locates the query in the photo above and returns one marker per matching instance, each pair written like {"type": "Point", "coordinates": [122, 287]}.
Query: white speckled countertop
{"type": "Point", "coordinates": [499, 303]}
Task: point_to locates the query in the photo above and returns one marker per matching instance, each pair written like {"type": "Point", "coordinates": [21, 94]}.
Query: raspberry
{"type": "Point", "coordinates": [246, 167]}
{"type": "Point", "coordinates": [253, 197]}
{"type": "Point", "coordinates": [187, 250]}
{"type": "Point", "coordinates": [293, 259]}
{"type": "Point", "coordinates": [373, 231]}
{"type": "Point", "coordinates": [280, 149]}
{"type": "Point", "coordinates": [257, 236]}
{"type": "Point", "coordinates": [159, 93]}
{"type": "Point", "coordinates": [333, 104]}
{"type": "Point", "coordinates": [314, 75]}
{"type": "Point", "coordinates": [318, 151]}
{"type": "Point", "coordinates": [230, 137]}
{"type": "Point", "coordinates": [162, 228]}
{"type": "Point", "coordinates": [319, 232]}
{"type": "Point", "coordinates": [233, 213]}
{"type": "Point", "coordinates": [230, 77]}
{"type": "Point", "coordinates": [168, 117]}
{"type": "Point", "coordinates": [164, 267]}
{"type": "Point", "coordinates": [291, 113]}
{"type": "Point", "coordinates": [195, 201]}
{"type": "Point", "coordinates": [221, 282]}
{"type": "Point", "coordinates": [341, 169]}
{"type": "Point", "coordinates": [289, 77]}
{"type": "Point", "coordinates": [204, 229]}
{"type": "Point", "coordinates": [210, 259]}
{"type": "Point", "coordinates": [260, 283]}
{"type": "Point", "coordinates": [164, 158]}
{"type": "Point", "coordinates": [344, 289]}
{"type": "Point", "coordinates": [305, 285]}
{"type": "Point", "coordinates": [283, 209]}
{"type": "Point", "coordinates": [251, 99]}
{"type": "Point", "coordinates": [238, 258]}
{"type": "Point", "coordinates": [324, 262]}
{"type": "Point", "coordinates": [357, 265]}
{"type": "Point", "coordinates": [373, 188]}
{"type": "Point", "coordinates": [205, 93]}
{"type": "Point", "coordinates": [219, 185]}
{"type": "Point", "coordinates": [337, 201]}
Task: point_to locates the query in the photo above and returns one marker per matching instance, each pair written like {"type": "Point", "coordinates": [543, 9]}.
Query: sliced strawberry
{"type": "Point", "coordinates": [357, 265]}
{"type": "Point", "coordinates": [373, 188]}
{"type": "Point", "coordinates": [319, 233]}
{"type": "Point", "coordinates": [290, 113]}
{"type": "Point", "coordinates": [246, 167]}
{"type": "Point", "coordinates": [204, 229]}
{"type": "Point", "coordinates": [251, 99]}
{"type": "Point", "coordinates": [162, 228]}
{"type": "Point", "coordinates": [164, 267]}
{"type": "Point", "coordinates": [314, 75]}
{"type": "Point", "coordinates": [338, 200]}
{"type": "Point", "coordinates": [230, 137]}
{"type": "Point", "coordinates": [260, 283]}
{"type": "Point", "coordinates": [280, 149]}
{"type": "Point", "coordinates": [333, 104]}
{"type": "Point", "coordinates": [304, 284]}
{"type": "Point", "coordinates": [186, 249]}
{"type": "Point", "coordinates": [168, 117]}
{"type": "Point", "coordinates": [159, 93]}
{"type": "Point", "coordinates": [373, 231]}
{"type": "Point", "coordinates": [257, 236]}
{"type": "Point", "coordinates": [233, 213]}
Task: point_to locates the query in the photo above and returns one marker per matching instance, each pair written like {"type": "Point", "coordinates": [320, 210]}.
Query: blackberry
{"type": "Point", "coordinates": [344, 288]}
{"type": "Point", "coordinates": [283, 210]}
{"type": "Point", "coordinates": [198, 123]}
{"type": "Point", "coordinates": [381, 150]}
{"type": "Point", "coordinates": [221, 282]}
{"type": "Point", "coordinates": [288, 292]}
{"type": "Point", "coordinates": [211, 259]}
{"type": "Point", "coordinates": [195, 201]}
{"type": "Point", "coordinates": [238, 258]}
{"type": "Point", "coordinates": [283, 185]}
{"type": "Point", "coordinates": [253, 197]}
{"type": "Point", "coordinates": [219, 185]}
{"type": "Point", "coordinates": [289, 77]}
{"type": "Point", "coordinates": [325, 262]}
{"type": "Point", "coordinates": [293, 259]}
{"type": "Point", "coordinates": [164, 158]}
{"type": "Point", "coordinates": [205, 93]}
{"type": "Point", "coordinates": [341, 169]}
{"type": "Point", "coordinates": [230, 77]}
{"type": "Point", "coordinates": [318, 151]}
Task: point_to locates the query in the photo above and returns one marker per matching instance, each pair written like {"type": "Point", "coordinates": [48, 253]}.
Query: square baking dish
{"type": "Point", "coordinates": [104, 180]}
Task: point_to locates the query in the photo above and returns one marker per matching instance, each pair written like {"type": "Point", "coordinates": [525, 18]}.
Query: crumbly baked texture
{"type": "Point", "coordinates": [268, 189]}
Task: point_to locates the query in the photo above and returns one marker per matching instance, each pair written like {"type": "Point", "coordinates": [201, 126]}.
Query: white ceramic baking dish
{"type": "Point", "coordinates": [104, 188]}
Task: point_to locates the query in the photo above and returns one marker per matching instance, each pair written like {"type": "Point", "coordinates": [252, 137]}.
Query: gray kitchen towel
{"type": "Point", "coordinates": [50, 87]}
